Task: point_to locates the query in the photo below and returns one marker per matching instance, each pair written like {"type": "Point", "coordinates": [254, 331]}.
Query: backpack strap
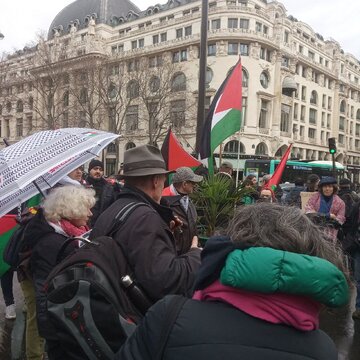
{"type": "Point", "coordinates": [175, 305]}
{"type": "Point", "coordinates": [122, 215]}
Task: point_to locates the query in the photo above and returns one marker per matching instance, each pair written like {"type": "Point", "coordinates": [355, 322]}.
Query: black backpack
{"type": "Point", "coordinates": [92, 300]}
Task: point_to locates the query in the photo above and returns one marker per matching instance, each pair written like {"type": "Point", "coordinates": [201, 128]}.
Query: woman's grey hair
{"type": "Point", "coordinates": [68, 202]}
{"type": "Point", "coordinates": [283, 228]}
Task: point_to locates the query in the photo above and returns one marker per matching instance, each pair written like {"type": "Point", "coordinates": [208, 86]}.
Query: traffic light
{"type": "Point", "coordinates": [332, 145]}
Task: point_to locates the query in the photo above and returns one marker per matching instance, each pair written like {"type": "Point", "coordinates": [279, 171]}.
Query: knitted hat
{"type": "Point", "coordinates": [95, 162]}
{"type": "Point", "coordinates": [345, 182]}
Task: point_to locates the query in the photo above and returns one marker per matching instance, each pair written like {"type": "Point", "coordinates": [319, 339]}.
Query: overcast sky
{"type": "Point", "coordinates": [20, 20]}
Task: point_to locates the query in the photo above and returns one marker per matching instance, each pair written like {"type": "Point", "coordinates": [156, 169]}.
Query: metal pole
{"type": "Point", "coordinates": [333, 165]}
{"type": "Point", "coordinates": [202, 73]}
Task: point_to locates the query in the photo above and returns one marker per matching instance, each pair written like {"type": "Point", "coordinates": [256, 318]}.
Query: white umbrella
{"type": "Point", "coordinates": [39, 161]}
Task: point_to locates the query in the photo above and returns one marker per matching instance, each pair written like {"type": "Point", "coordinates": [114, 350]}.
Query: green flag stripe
{"type": "Point", "coordinates": [226, 127]}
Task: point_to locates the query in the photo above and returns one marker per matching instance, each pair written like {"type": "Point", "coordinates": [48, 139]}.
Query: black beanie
{"type": "Point", "coordinates": [94, 163]}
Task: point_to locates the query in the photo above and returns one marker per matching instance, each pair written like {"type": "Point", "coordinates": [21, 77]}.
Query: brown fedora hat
{"type": "Point", "coordinates": [142, 161]}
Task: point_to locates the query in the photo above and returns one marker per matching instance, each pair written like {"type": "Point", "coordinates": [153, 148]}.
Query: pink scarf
{"type": "Point", "coordinates": [71, 229]}
{"type": "Point", "coordinates": [299, 312]}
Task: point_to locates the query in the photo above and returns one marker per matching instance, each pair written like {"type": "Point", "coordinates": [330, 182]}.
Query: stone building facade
{"type": "Point", "coordinates": [297, 87]}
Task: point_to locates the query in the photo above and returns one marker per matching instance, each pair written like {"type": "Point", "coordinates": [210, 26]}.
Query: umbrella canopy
{"type": "Point", "coordinates": [44, 158]}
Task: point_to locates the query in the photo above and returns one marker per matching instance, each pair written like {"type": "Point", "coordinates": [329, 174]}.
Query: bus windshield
{"type": "Point", "coordinates": [293, 169]}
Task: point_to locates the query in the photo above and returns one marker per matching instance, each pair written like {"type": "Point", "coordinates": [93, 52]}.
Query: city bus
{"type": "Point", "coordinates": [293, 169]}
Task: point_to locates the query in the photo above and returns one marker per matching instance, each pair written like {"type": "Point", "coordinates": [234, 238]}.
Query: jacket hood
{"type": "Point", "coordinates": [269, 270]}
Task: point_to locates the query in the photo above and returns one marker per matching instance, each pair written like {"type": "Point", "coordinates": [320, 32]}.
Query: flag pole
{"type": "Point", "coordinates": [238, 158]}
{"type": "Point", "coordinates": [202, 74]}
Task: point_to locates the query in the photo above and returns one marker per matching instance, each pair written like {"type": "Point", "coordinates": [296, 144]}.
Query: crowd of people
{"type": "Point", "coordinates": [301, 239]}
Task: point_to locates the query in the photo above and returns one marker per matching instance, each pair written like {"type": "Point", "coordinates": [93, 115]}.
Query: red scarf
{"type": "Point", "coordinates": [71, 229]}
{"type": "Point", "coordinates": [299, 312]}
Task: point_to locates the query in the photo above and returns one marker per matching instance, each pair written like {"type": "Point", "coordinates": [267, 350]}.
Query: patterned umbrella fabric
{"type": "Point", "coordinates": [45, 157]}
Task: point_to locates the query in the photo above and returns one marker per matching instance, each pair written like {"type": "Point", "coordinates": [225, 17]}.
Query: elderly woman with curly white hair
{"type": "Point", "coordinates": [64, 213]}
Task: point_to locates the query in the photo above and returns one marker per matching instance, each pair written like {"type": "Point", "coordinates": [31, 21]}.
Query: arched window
{"type": "Point", "coordinates": [83, 96]}
{"type": "Point", "coordinates": [129, 145]}
{"type": "Point", "coordinates": [19, 106]}
{"type": "Point", "coordinates": [245, 78]}
{"type": "Point", "coordinates": [261, 149]}
{"type": "Point", "coordinates": [66, 98]}
{"type": "Point", "coordinates": [132, 89]}
{"type": "Point", "coordinates": [154, 84]}
{"type": "Point", "coordinates": [264, 80]}
{"type": "Point", "coordinates": [178, 82]}
{"type": "Point", "coordinates": [232, 147]}
{"type": "Point", "coordinates": [342, 106]}
{"type": "Point", "coordinates": [313, 97]}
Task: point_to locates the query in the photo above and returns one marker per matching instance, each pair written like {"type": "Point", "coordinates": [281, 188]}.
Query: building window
{"type": "Point", "coordinates": [303, 93]}
{"type": "Point", "coordinates": [155, 39]}
{"type": "Point", "coordinates": [233, 48]}
{"type": "Point", "coordinates": [233, 23]}
{"type": "Point", "coordinates": [179, 33]}
{"type": "Point", "coordinates": [342, 106]}
{"type": "Point", "coordinates": [341, 139]}
{"type": "Point", "coordinates": [66, 99]}
{"type": "Point", "coordinates": [19, 127]}
{"type": "Point", "coordinates": [180, 56]}
{"type": "Point", "coordinates": [285, 118]}
{"type": "Point", "coordinates": [211, 49]}
{"type": "Point", "coordinates": [265, 54]}
{"type": "Point", "coordinates": [141, 43]}
{"type": "Point", "coordinates": [134, 44]}
{"type": "Point", "coordinates": [19, 106]}
{"type": "Point", "coordinates": [188, 30]}
{"type": "Point", "coordinates": [311, 133]}
{"type": "Point", "coordinates": [130, 145]}
{"type": "Point", "coordinates": [83, 96]}
{"type": "Point", "coordinates": [110, 166]}
{"type": "Point", "coordinates": [8, 106]}
{"type": "Point", "coordinates": [177, 113]}
{"type": "Point", "coordinates": [215, 24]}
{"type": "Point", "coordinates": [285, 61]}
{"type": "Point", "coordinates": [154, 84]}
{"type": "Point", "coordinates": [244, 111]}
{"type": "Point", "coordinates": [264, 80]}
{"type": "Point", "coordinates": [263, 114]}
{"type": "Point", "coordinates": [131, 118]}
{"type": "Point", "coordinates": [258, 27]}
{"type": "Point", "coordinates": [178, 82]}
{"type": "Point", "coordinates": [286, 37]}
{"type": "Point", "coordinates": [133, 65]}
{"type": "Point", "coordinates": [132, 89]}
{"type": "Point", "coordinates": [342, 123]}
{"type": "Point", "coordinates": [313, 97]}
{"type": "Point", "coordinates": [244, 49]}
{"type": "Point", "coordinates": [296, 110]}
{"type": "Point", "coordinates": [65, 120]}
{"type": "Point", "coordinates": [163, 37]}
{"type": "Point", "coordinates": [244, 24]}
{"type": "Point", "coordinates": [312, 116]}
{"type": "Point", "coordinates": [245, 78]}
{"type": "Point", "coordinates": [233, 147]}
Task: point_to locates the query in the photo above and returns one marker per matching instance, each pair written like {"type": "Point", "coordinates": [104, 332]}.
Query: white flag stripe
{"type": "Point", "coordinates": [218, 117]}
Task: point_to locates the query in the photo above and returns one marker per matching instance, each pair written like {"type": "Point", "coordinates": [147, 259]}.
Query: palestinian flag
{"type": "Point", "coordinates": [224, 117]}
{"type": "Point", "coordinates": [174, 154]}
{"type": "Point", "coordinates": [276, 177]}
{"type": "Point", "coordinates": [7, 226]}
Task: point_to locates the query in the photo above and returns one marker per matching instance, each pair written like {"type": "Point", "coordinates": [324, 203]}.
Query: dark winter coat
{"type": "Point", "coordinates": [105, 196]}
{"type": "Point", "coordinates": [184, 234]}
{"type": "Point", "coordinates": [45, 244]}
{"type": "Point", "coordinates": [218, 331]}
{"type": "Point", "coordinates": [149, 246]}
{"type": "Point", "coordinates": [293, 198]}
